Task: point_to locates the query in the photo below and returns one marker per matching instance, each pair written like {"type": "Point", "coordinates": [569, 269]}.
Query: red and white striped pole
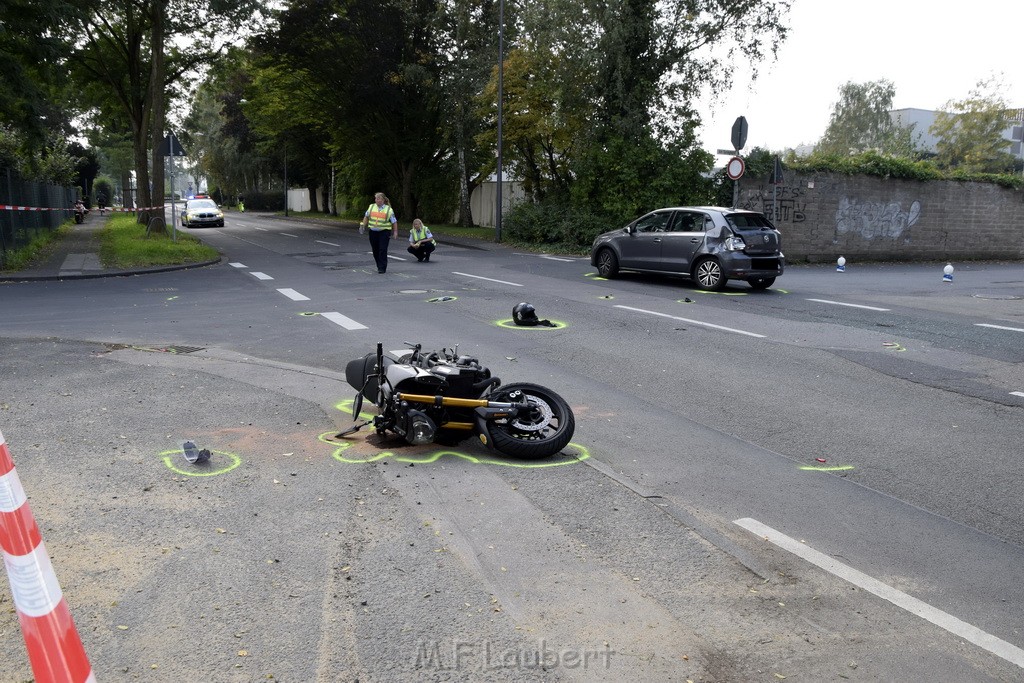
{"type": "Point", "coordinates": [54, 649]}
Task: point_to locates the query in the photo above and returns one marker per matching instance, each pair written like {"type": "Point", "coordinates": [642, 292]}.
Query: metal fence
{"type": "Point", "coordinates": [30, 210]}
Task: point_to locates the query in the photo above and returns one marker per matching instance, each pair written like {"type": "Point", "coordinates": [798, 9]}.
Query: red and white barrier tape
{"type": "Point", "coordinates": [55, 650]}
{"type": "Point", "coordinates": [11, 207]}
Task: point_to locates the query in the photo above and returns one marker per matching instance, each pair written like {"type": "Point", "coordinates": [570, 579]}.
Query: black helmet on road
{"type": "Point", "coordinates": [525, 314]}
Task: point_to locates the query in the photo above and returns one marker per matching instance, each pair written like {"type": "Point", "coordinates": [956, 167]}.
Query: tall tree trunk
{"type": "Point", "coordinates": [465, 209]}
{"type": "Point", "coordinates": [156, 85]}
{"type": "Point", "coordinates": [408, 200]}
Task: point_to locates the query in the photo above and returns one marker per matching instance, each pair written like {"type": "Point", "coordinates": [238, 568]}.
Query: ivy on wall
{"type": "Point", "coordinates": [879, 165]}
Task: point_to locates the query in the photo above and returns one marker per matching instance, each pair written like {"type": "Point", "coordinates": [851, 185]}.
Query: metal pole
{"type": "Point", "coordinates": [286, 183]}
{"type": "Point", "coordinates": [501, 76]}
{"type": "Point", "coordinates": [174, 203]}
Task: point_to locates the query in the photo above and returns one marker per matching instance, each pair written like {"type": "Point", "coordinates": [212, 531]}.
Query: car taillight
{"type": "Point", "coordinates": [735, 243]}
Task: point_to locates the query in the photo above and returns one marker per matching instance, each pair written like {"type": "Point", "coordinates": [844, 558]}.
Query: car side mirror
{"type": "Point", "coordinates": [630, 229]}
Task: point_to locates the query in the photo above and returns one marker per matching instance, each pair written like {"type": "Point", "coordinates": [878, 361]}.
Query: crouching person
{"type": "Point", "coordinates": [421, 241]}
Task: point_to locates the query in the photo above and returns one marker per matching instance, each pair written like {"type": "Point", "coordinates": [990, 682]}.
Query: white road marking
{"type": "Point", "coordinates": [262, 229]}
{"type": "Point", "coordinates": [961, 629]}
{"type": "Point", "coordinates": [999, 327]}
{"type": "Point", "coordinates": [330, 244]}
{"type": "Point", "coordinates": [555, 258]}
{"type": "Point", "coordinates": [288, 234]}
{"type": "Point", "coordinates": [478, 277]}
{"type": "Point", "coordinates": [261, 276]}
{"type": "Point", "coordinates": [293, 295]}
{"type": "Point", "coordinates": [840, 303]}
{"type": "Point", "coordinates": [344, 321]}
{"type": "Point", "coordinates": [397, 258]}
{"type": "Point", "coordinates": [236, 264]}
{"type": "Point", "coordinates": [692, 322]}
{"type": "Point", "coordinates": [1017, 393]}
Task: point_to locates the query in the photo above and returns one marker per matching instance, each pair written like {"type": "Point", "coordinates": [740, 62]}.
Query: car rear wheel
{"type": "Point", "coordinates": [607, 263]}
{"type": "Point", "coordinates": [708, 275]}
{"type": "Point", "coordinates": [761, 282]}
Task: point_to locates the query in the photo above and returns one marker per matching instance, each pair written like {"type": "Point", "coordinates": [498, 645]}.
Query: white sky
{"type": "Point", "coordinates": [932, 51]}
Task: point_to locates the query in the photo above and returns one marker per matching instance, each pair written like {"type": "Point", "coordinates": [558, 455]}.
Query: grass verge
{"type": "Point", "coordinates": [124, 244]}
{"type": "Point", "coordinates": [34, 251]}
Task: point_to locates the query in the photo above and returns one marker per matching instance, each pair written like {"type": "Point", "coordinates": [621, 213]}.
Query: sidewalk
{"type": "Point", "coordinates": [76, 256]}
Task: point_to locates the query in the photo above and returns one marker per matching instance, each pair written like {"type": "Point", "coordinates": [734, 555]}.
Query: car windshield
{"type": "Point", "coordinates": [202, 204]}
{"type": "Point", "coordinates": [748, 221]}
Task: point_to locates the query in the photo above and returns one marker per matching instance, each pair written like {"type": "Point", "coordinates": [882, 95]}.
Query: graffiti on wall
{"type": "Point", "coordinates": [787, 200]}
{"type": "Point", "coordinates": [875, 219]}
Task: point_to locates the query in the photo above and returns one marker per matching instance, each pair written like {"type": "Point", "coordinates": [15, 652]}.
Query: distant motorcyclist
{"type": "Point", "coordinates": [80, 211]}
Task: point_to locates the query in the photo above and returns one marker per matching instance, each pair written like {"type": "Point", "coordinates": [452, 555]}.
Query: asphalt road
{"type": "Point", "coordinates": [869, 416]}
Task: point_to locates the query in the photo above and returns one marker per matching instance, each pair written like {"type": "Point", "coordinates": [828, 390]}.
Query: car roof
{"type": "Point", "coordinates": [722, 209]}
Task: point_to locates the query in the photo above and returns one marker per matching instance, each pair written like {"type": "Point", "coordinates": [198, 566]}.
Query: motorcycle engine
{"type": "Point", "coordinates": [414, 426]}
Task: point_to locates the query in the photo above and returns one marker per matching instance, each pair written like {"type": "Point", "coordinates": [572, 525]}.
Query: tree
{"type": "Point", "coordinates": [970, 131]}
{"type": "Point", "coordinates": [37, 99]}
{"type": "Point", "coordinates": [601, 112]}
{"type": "Point", "coordinates": [124, 49]}
{"type": "Point", "coordinates": [365, 78]}
{"type": "Point", "coordinates": [861, 121]}
{"type": "Point", "coordinates": [87, 167]}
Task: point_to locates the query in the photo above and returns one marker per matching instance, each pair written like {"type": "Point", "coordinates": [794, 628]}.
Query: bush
{"type": "Point", "coordinates": [555, 224]}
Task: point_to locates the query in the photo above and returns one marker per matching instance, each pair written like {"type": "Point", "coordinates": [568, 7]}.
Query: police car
{"type": "Point", "coordinates": [201, 212]}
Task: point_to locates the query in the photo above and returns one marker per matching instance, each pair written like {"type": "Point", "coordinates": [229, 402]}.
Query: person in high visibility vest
{"type": "Point", "coordinates": [380, 218]}
{"type": "Point", "coordinates": [421, 241]}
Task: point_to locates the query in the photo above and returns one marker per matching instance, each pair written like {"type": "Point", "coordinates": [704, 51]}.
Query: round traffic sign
{"type": "Point", "coordinates": [734, 169]}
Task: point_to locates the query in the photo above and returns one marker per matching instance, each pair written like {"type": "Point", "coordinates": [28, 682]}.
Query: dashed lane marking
{"type": "Point", "coordinates": [961, 629]}
{"type": "Point", "coordinates": [344, 321]}
{"type": "Point", "coordinates": [840, 303]}
{"type": "Point", "coordinates": [489, 279]}
{"type": "Point", "coordinates": [293, 295]}
{"type": "Point", "coordinates": [692, 322]}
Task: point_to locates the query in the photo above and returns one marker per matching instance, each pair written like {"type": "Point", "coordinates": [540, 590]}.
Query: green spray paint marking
{"type": "Point", "coordinates": [595, 276]}
{"type": "Point", "coordinates": [168, 457]}
{"type": "Point", "coordinates": [511, 324]}
{"type": "Point", "coordinates": [339, 454]}
{"type": "Point", "coordinates": [346, 407]}
{"type": "Point", "coordinates": [308, 313]}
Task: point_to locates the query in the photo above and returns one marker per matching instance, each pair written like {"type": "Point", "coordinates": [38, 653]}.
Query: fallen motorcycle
{"type": "Point", "coordinates": [444, 397]}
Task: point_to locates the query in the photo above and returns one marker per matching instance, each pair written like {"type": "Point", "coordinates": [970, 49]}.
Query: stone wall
{"type": "Point", "coordinates": [865, 218]}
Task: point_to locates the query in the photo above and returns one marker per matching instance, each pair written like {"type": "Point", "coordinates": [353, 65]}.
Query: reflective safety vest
{"type": "Point", "coordinates": [421, 234]}
{"type": "Point", "coordinates": [380, 217]}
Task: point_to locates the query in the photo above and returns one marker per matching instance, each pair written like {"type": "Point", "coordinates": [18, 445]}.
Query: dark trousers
{"type": "Point", "coordinates": [379, 240]}
{"type": "Point", "coordinates": [423, 252]}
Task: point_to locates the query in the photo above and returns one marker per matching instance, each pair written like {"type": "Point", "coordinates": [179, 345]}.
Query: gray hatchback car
{"type": "Point", "coordinates": [709, 244]}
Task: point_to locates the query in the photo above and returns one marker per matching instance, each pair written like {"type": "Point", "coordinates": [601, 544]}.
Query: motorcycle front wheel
{"type": "Point", "coordinates": [538, 432]}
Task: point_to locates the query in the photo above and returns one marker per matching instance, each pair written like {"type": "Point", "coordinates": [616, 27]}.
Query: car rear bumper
{"type": "Point", "coordinates": [739, 265]}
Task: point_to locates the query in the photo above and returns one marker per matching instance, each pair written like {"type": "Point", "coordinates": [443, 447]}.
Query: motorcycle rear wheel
{"type": "Point", "coordinates": [539, 432]}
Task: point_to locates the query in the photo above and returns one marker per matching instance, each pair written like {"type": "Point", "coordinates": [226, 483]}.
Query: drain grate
{"type": "Point", "coordinates": [169, 349]}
